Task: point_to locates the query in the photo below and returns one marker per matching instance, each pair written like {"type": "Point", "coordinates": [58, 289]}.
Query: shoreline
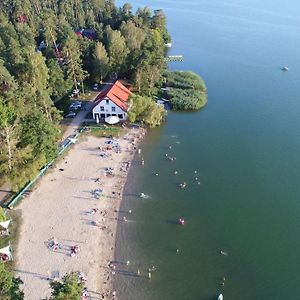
{"type": "Point", "coordinates": [121, 240]}
{"type": "Point", "coordinates": [64, 207]}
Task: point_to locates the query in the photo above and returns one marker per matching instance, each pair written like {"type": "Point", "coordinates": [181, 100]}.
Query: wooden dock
{"type": "Point", "coordinates": [172, 58]}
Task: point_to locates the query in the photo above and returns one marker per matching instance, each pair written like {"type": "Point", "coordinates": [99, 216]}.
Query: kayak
{"type": "Point", "coordinates": [220, 297]}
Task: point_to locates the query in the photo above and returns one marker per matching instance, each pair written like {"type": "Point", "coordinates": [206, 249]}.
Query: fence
{"type": "Point", "coordinates": [65, 145]}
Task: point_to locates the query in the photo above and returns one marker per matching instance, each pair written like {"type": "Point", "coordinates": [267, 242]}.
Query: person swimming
{"type": "Point", "coordinates": [182, 185]}
{"type": "Point", "coordinates": [181, 221]}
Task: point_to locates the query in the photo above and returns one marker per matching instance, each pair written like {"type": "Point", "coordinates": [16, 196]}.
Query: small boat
{"type": "Point", "coordinates": [284, 69]}
{"type": "Point", "coordinates": [220, 297]}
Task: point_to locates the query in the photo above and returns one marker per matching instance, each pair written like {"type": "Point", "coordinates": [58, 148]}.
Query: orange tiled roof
{"type": "Point", "coordinates": [117, 93]}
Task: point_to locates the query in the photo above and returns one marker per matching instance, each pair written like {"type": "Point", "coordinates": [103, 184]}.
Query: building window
{"type": "Point", "coordinates": [107, 101]}
{"type": "Point", "coordinates": [101, 108]}
{"type": "Point", "coordinates": [120, 116]}
{"type": "Point", "coordinates": [113, 108]}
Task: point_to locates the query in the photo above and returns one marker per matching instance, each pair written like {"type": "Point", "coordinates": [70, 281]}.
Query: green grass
{"type": "Point", "coordinates": [104, 131]}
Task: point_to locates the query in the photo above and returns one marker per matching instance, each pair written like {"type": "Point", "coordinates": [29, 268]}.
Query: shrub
{"type": "Point", "coordinates": [145, 110]}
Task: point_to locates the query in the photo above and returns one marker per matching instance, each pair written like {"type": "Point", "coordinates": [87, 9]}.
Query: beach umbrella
{"type": "Point", "coordinates": [5, 224]}
{"type": "Point", "coordinates": [112, 120]}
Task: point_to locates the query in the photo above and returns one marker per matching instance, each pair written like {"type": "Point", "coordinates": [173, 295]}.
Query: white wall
{"type": "Point", "coordinates": [108, 109]}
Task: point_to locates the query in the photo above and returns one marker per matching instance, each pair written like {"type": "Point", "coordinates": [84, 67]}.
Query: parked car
{"type": "Point", "coordinates": [76, 91]}
{"type": "Point", "coordinates": [71, 114]}
{"type": "Point", "coordinates": [75, 105]}
{"type": "Point", "coordinates": [95, 86]}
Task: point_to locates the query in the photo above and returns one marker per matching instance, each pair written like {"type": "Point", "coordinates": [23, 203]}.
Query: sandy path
{"type": "Point", "coordinates": [59, 207]}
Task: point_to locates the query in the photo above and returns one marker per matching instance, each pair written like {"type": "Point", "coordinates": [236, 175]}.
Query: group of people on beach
{"type": "Point", "coordinates": [132, 138]}
{"type": "Point", "coordinates": [109, 190]}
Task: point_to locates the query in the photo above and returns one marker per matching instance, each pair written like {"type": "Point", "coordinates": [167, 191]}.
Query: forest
{"type": "Point", "coordinates": [50, 47]}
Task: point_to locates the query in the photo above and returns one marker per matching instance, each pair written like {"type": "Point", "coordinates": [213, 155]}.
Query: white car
{"type": "Point", "coordinates": [71, 114]}
{"type": "Point", "coordinates": [76, 91]}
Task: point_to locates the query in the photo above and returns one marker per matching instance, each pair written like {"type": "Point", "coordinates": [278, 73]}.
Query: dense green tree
{"type": "Point", "coordinates": [64, 29]}
{"type": "Point", "coordinates": [100, 62]}
{"type": "Point", "coordinates": [40, 134]}
{"type": "Point", "coordinates": [152, 64]}
{"type": "Point", "coordinates": [116, 48]}
{"type": "Point", "coordinates": [68, 289]}
{"type": "Point", "coordinates": [121, 42]}
{"type": "Point", "coordinates": [37, 76]}
{"type": "Point", "coordinates": [14, 59]}
{"type": "Point", "coordinates": [7, 82]}
{"type": "Point", "coordinates": [26, 36]}
{"type": "Point", "coordinates": [9, 285]}
{"type": "Point", "coordinates": [110, 14]}
{"type": "Point", "coordinates": [9, 136]}
{"type": "Point", "coordinates": [145, 15]}
{"type": "Point", "coordinates": [144, 109]}
{"type": "Point", "coordinates": [73, 61]}
{"type": "Point", "coordinates": [48, 26]}
{"type": "Point", "coordinates": [133, 35]}
{"type": "Point", "coordinates": [97, 6]}
{"type": "Point", "coordinates": [58, 85]}
{"type": "Point", "coordinates": [127, 10]}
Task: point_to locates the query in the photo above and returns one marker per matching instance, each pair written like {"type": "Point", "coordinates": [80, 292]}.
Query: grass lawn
{"type": "Point", "coordinates": [103, 131]}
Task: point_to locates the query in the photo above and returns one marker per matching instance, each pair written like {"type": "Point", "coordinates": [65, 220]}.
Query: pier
{"type": "Point", "coordinates": [174, 58]}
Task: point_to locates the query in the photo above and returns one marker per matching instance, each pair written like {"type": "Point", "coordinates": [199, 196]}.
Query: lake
{"type": "Point", "coordinates": [244, 146]}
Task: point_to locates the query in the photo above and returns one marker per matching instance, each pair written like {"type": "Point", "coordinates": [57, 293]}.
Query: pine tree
{"type": "Point", "coordinates": [73, 61]}
{"type": "Point", "coordinates": [116, 48]}
{"type": "Point", "coordinates": [69, 288]}
{"type": "Point", "coordinates": [58, 84]}
{"type": "Point", "coordinates": [100, 62]}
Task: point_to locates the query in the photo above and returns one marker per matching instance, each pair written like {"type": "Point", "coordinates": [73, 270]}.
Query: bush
{"type": "Point", "coordinates": [145, 110]}
{"type": "Point", "coordinates": [2, 215]}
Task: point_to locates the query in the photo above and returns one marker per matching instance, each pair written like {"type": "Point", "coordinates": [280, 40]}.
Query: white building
{"type": "Point", "coordinates": [112, 102]}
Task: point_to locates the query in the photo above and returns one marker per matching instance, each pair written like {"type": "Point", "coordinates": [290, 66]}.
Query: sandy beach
{"type": "Point", "coordinates": [76, 204]}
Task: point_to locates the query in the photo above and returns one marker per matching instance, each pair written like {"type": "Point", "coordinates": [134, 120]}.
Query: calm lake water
{"type": "Point", "coordinates": [245, 146]}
